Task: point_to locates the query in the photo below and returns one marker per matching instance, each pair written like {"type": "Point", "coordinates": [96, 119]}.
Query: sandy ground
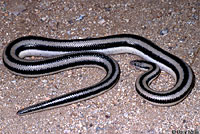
{"type": "Point", "coordinates": [172, 25]}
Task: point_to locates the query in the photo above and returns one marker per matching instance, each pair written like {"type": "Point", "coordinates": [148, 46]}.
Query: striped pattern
{"type": "Point", "coordinates": [59, 51]}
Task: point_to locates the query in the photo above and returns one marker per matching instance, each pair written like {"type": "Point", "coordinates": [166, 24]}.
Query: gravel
{"type": "Point", "coordinates": [172, 25]}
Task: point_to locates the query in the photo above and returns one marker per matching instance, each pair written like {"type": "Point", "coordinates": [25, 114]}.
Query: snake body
{"type": "Point", "coordinates": [67, 54]}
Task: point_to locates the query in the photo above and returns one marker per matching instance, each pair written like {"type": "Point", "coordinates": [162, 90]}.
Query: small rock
{"type": "Point", "coordinates": [108, 9]}
{"type": "Point", "coordinates": [13, 81]}
{"type": "Point", "coordinates": [66, 8]}
{"type": "Point", "coordinates": [196, 17]}
{"type": "Point", "coordinates": [80, 17]}
{"type": "Point", "coordinates": [70, 21]}
{"type": "Point", "coordinates": [190, 22]}
{"type": "Point", "coordinates": [98, 128]}
{"type": "Point", "coordinates": [67, 131]}
{"type": "Point", "coordinates": [69, 32]}
{"type": "Point", "coordinates": [83, 29]}
{"type": "Point", "coordinates": [44, 18]}
{"type": "Point", "coordinates": [101, 21]}
{"type": "Point", "coordinates": [182, 40]}
{"type": "Point", "coordinates": [17, 9]}
{"type": "Point", "coordinates": [126, 115]}
{"type": "Point", "coordinates": [164, 31]}
{"type": "Point", "coordinates": [107, 115]}
{"type": "Point", "coordinates": [44, 81]}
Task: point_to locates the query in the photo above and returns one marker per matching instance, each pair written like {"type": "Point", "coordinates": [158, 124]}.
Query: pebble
{"type": "Point", "coordinates": [80, 17]}
{"type": "Point", "coordinates": [70, 21]}
{"type": "Point", "coordinates": [101, 21]}
{"type": "Point", "coordinates": [190, 22]}
{"type": "Point", "coordinates": [18, 9]}
{"type": "Point", "coordinates": [14, 81]}
{"type": "Point", "coordinates": [98, 128]}
{"type": "Point", "coordinates": [83, 29]}
{"type": "Point", "coordinates": [67, 131]}
{"type": "Point", "coordinates": [44, 81]}
{"type": "Point", "coordinates": [45, 18]}
{"type": "Point", "coordinates": [126, 115]}
{"type": "Point", "coordinates": [182, 40]}
{"type": "Point", "coordinates": [69, 32]}
{"type": "Point", "coordinates": [164, 31]}
{"type": "Point", "coordinates": [107, 115]}
{"type": "Point", "coordinates": [196, 17]}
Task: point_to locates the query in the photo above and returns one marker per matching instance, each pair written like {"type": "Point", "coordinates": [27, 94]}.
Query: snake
{"type": "Point", "coordinates": [60, 54]}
